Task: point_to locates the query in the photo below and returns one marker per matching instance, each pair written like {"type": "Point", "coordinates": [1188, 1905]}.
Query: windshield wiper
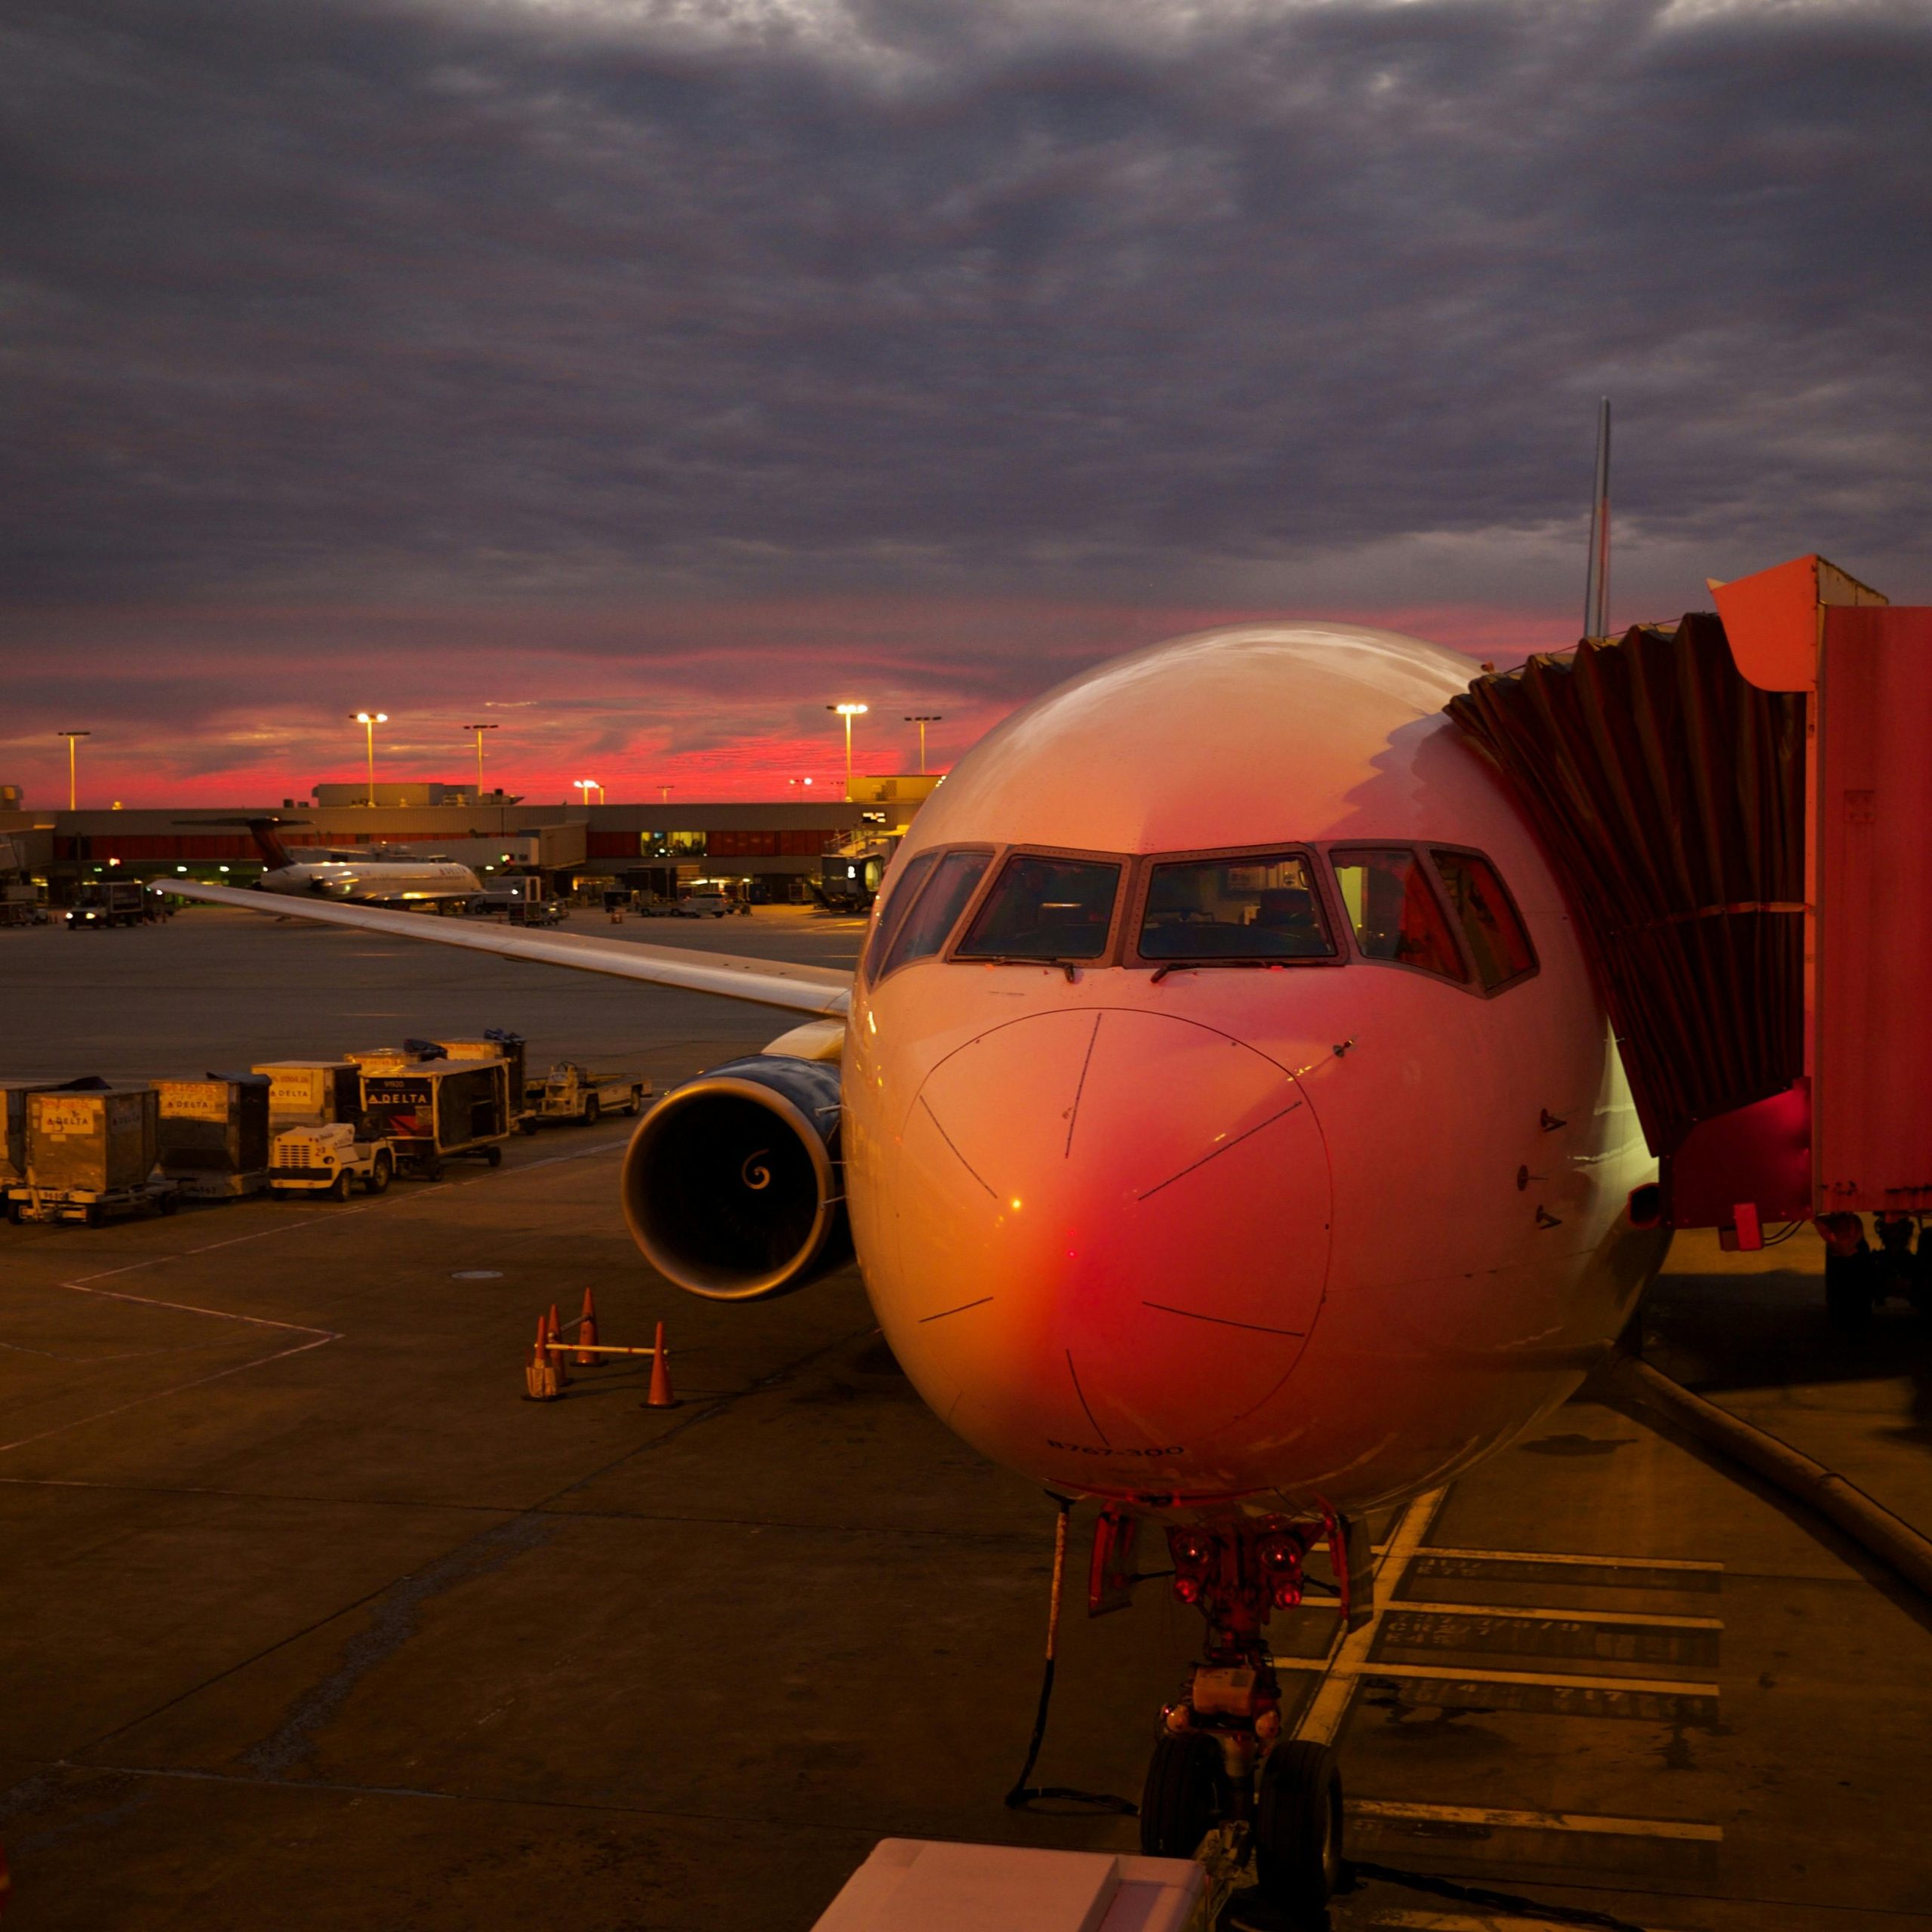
{"type": "Point", "coordinates": [1210, 965]}
{"type": "Point", "coordinates": [1028, 959]}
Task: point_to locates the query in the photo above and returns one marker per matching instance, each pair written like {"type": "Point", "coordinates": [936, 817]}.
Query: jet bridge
{"type": "Point", "coordinates": [1740, 808]}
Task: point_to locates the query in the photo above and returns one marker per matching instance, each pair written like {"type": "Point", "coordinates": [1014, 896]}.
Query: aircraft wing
{"type": "Point", "coordinates": [818, 990]}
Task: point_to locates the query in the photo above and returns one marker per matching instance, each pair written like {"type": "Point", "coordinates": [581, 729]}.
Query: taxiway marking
{"type": "Point", "coordinates": [1433, 1673]}
{"type": "Point", "coordinates": [1642, 1619]}
{"type": "Point", "coordinates": [1343, 1667]}
{"type": "Point", "coordinates": [1399, 1811]}
{"type": "Point", "coordinates": [1403, 1918]}
{"type": "Point", "coordinates": [1582, 1562]}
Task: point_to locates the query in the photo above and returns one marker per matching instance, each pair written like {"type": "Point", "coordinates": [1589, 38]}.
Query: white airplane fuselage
{"type": "Point", "coordinates": [1322, 1233]}
{"type": "Point", "coordinates": [374, 882]}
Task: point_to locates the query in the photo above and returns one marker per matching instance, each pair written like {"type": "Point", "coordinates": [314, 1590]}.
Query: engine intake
{"type": "Point", "coordinates": [732, 1185]}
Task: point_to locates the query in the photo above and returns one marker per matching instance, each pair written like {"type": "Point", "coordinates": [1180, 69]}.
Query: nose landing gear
{"type": "Point", "coordinates": [1220, 1759]}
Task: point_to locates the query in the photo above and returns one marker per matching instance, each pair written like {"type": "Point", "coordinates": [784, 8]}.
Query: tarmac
{"type": "Point", "coordinates": [309, 1620]}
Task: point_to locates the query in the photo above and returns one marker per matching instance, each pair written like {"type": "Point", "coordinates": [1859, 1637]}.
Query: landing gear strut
{"type": "Point", "coordinates": [1220, 1758]}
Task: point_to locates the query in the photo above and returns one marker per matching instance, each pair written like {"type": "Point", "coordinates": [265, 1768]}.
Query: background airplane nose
{"type": "Point", "coordinates": [1125, 1260]}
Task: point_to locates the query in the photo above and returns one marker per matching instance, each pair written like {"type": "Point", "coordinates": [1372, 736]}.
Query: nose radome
{"type": "Point", "coordinates": [1120, 1235]}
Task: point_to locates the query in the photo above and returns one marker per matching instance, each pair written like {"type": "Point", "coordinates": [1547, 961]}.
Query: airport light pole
{"type": "Point", "coordinates": [848, 712]}
{"type": "Point", "coordinates": [479, 730]}
{"type": "Point", "coordinates": [922, 719]}
{"type": "Point", "coordinates": [586, 786]}
{"type": "Point", "coordinates": [72, 792]}
{"type": "Point", "coordinates": [369, 720]}
{"type": "Point", "coordinates": [664, 794]}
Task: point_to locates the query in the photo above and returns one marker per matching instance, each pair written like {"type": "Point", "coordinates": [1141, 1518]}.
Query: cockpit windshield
{"type": "Point", "coordinates": [1044, 908]}
{"type": "Point", "coordinates": [1260, 905]}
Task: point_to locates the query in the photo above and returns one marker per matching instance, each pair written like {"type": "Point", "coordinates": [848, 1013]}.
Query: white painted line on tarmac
{"type": "Point", "coordinates": [1321, 1722]}
{"type": "Point", "coordinates": [1397, 1811]}
{"type": "Point", "coordinates": [1641, 1619]}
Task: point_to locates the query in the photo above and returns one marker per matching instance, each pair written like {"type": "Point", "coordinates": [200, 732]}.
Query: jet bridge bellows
{"type": "Point", "coordinates": [1670, 793]}
{"type": "Point", "coordinates": [1740, 810]}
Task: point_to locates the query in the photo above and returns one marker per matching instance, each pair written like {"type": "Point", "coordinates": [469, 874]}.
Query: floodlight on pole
{"type": "Point", "coordinates": [369, 720]}
{"type": "Point", "coordinates": [479, 730]}
{"type": "Point", "coordinates": [848, 712]}
{"type": "Point", "coordinates": [586, 786]}
{"type": "Point", "coordinates": [922, 719]}
{"type": "Point", "coordinates": [72, 793]}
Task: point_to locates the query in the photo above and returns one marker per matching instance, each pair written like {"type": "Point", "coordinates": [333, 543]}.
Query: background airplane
{"type": "Point", "coordinates": [1228, 1125]}
{"type": "Point", "coordinates": [374, 875]}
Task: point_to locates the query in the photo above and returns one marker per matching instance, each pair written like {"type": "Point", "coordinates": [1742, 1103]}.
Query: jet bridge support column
{"type": "Point", "coordinates": [1866, 670]}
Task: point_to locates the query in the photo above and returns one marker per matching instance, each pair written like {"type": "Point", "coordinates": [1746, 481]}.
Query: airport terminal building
{"type": "Point", "coordinates": [773, 848]}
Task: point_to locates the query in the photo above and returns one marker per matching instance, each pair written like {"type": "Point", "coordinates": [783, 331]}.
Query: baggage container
{"type": "Point", "coordinates": [90, 1140]}
{"type": "Point", "coordinates": [430, 1109]}
{"type": "Point", "coordinates": [311, 1092]}
{"type": "Point", "coordinates": [213, 1133]}
{"type": "Point", "coordinates": [495, 1043]}
{"type": "Point", "coordinates": [13, 1136]}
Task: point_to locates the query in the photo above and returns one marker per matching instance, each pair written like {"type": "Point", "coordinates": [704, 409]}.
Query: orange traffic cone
{"type": "Point", "coordinates": [540, 1379]}
{"type": "Point", "coordinates": [661, 1396]}
{"type": "Point", "coordinates": [586, 1333]}
{"type": "Point", "coordinates": [556, 1355]}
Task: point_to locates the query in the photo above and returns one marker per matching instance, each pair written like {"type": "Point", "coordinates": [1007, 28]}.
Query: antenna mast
{"type": "Point", "coordinates": [1596, 584]}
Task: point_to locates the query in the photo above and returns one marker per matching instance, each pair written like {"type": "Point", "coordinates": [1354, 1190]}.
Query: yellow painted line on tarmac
{"type": "Point", "coordinates": [1551, 1556]}
{"type": "Point", "coordinates": [1397, 1811]}
{"type": "Point", "coordinates": [1641, 1619]}
{"type": "Point", "coordinates": [1322, 1722]}
{"type": "Point", "coordinates": [1430, 1673]}
{"type": "Point", "coordinates": [1404, 1918]}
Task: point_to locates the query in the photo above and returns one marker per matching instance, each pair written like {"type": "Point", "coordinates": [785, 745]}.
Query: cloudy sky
{"type": "Point", "coordinates": [642, 375]}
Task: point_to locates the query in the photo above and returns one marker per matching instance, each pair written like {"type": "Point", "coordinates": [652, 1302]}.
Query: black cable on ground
{"type": "Point", "coordinates": [1481, 1895]}
{"type": "Point", "coordinates": [1022, 1795]}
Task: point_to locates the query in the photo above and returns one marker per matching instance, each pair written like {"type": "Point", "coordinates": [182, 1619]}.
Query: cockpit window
{"type": "Point", "coordinates": [900, 892]}
{"type": "Point", "coordinates": [1497, 941]}
{"type": "Point", "coordinates": [922, 931]}
{"type": "Point", "coordinates": [1044, 908]}
{"type": "Point", "coordinates": [1260, 905]}
{"type": "Point", "coordinates": [1395, 913]}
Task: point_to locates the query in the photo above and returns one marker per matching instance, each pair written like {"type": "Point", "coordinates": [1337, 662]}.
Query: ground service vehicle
{"type": "Point", "coordinates": [108, 902]}
{"type": "Point", "coordinates": [325, 1160]}
{"type": "Point", "coordinates": [571, 1092]}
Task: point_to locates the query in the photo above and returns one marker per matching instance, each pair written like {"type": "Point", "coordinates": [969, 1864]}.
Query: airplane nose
{"type": "Point", "coordinates": [1115, 1239]}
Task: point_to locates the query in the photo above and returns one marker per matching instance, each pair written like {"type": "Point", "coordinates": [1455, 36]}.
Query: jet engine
{"type": "Point", "coordinates": [733, 1186]}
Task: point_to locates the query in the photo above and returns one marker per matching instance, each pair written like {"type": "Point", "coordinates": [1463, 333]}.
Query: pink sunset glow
{"type": "Point", "coordinates": [718, 702]}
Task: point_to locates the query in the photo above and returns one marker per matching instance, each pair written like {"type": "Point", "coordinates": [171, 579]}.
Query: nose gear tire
{"type": "Point", "coordinates": [1298, 1826]}
{"type": "Point", "coordinates": [1181, 1800]}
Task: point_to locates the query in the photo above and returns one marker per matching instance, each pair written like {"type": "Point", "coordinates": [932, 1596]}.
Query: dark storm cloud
{"type": "Point", "coordinates": [341, 300]}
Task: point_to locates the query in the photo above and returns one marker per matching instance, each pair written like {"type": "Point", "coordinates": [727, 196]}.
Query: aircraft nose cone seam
{"type": "Point", "coordinates": [1080, 1087]}
{"type": "Point", "coordinates": [1214, 1153]}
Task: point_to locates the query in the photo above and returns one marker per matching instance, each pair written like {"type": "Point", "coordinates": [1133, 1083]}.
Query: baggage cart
{"type": "Point", "coordinates": [431, 1110]}
{"type": "Point", "coordinates": [89, 1153]}
{"type": "Point", "coordinates": [14, 1134]}
{"type": "Point", "coordinates": [213, 1134]}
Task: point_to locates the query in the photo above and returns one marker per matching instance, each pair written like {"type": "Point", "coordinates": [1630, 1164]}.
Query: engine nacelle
{"type": "Point", "coordinates": [732, 1185]}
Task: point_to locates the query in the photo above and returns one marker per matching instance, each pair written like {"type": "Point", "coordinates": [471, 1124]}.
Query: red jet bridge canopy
{"type": "Point", "coordinates": [1740, 808]}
